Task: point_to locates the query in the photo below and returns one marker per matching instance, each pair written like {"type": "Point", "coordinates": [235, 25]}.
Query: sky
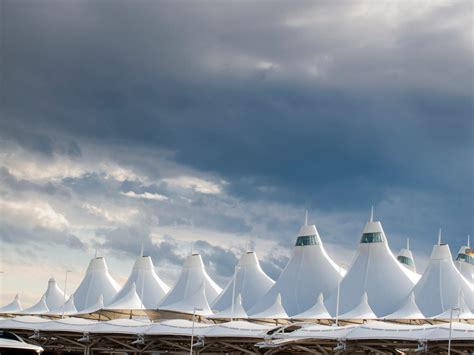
{"type": "Point", "coordinates": [214, 127]}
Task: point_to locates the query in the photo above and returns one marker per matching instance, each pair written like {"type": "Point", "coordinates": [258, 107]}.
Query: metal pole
{"type": "Point", "coordinates": [337, 302]}
{"type": "Point", "coordinates": [233, 295]}
{"type": "Point", "coordinates": [451, 328]}
{"type": "Point", "coordinates": [192, 330]}
{"type": "Point", "coordinates": [65, 290]}
{"type": "Point", "coordinates": [192, 333]}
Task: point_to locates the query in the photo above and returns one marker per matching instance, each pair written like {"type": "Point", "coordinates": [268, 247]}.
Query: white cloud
{"type": "Point", "coordinates": [115, 215]}
{"type": "Point", "coordinates": [37, 213]}
{"type": "Point", "coordinates": [121, 173]}
{"type": "Point", "coordinates": [195, 183]}
{"type": "Point", "coordinates": [145, 195]}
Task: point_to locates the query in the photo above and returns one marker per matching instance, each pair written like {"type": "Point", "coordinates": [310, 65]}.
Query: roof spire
{"type": "Point", "coordinates": [372, 214]}
{"type": "Point", "coordinates": [141, 250]}
{"type": "Point", "coordinates": [192, 248]}
{"type": "Point", "coordinates": [468, 241]}
{"type": "Point", "coordinates": [306, 218]}
{"type": "Point", "coordinates": [408, 243]}
{"type": "Point", "coordinates": [249, 246]}
{"type": "Point", "coordinates": [439, 237]}
{"type": "Point", "coordinates": [95, 255]}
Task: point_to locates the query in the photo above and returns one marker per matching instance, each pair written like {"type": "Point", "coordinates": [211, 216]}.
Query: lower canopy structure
{"type": "Point", "coordinates": [139, 336]}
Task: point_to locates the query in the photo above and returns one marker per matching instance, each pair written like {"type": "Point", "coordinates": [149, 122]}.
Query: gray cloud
{"type": "Point", "coordinates": [326, 106]}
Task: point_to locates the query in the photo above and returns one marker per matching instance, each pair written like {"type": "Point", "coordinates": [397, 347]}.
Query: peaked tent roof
{"type": "Point", "coordinates": [149, 287]}
{"type": "Point", "coordinates": [97, 306]}
{"type": "Point", "coordinates": [192, 277]}
{"type": "Point", "coordinates": [69, 308]}
{"type": "Point", "coordinates": [465, 261]}
{"type": "Point", "coordinates": [361, 311]}
{"type": "Point", "coordinates": [235, 312]}
{"type": "Point", "coordinates": [38, 308]}
{"type": "Point", "coordinates": [317, 311]}
{"type": "Point", "coordinates": [193, 302]}
{"type": "Point", "coordinates": [128, 301]}
{"type": "Point", "coordinates": [53, 298]}
{"type": "Point", "coordinates": [274, 311]}
{"type": "Point", "coordinates": [309, 272]}
{"type": "Point", "coordinates": [373, 269]}
{"type": "Point", "coordinates": [250, 281]}
{"type": "Point", "coordinates": [12, 307]}
{"type": "Point", "coordinates": [408, 310]}
{"type": "Point", "coordinates": [461, 310]}
{"type": "Point", "coordinates": [441, 283]}
{"type": "Point", "coordinates": [97, 281]}
{"type": "Point", "coordinates": [405, 257]}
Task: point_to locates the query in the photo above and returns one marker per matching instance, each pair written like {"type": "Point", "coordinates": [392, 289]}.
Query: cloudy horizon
{"type": "Point", "coordinates": [175, 127]}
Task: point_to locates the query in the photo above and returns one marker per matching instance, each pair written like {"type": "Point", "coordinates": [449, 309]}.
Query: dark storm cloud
{"type": "Point", "coordinates": [41, 238]}
{"type": "Point", "coordinates": [337, 113]}
{"type": "Point", "coordinates": [129, 240]}
{"type": "Point", "coordinates": [14, 186]}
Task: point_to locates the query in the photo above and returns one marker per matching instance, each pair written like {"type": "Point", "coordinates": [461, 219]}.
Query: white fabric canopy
{"type": "Point", "coordinates": [361, 311]}
{"type": "Point", "coordinates": [250, 281]}
{"type": "Point", "coordinates": [68, 309]}
{"type": "Point", "coordinates": [195, 302]}
{"type": "Point", "coordinates": [97, 281]}
{"type": "Point", "coordinates": [12, 307]}
{"type": "Point", "coordinates": [439, 287]}
{"type": "Point", "coordinates": [38, 308]}
{"type": "Point", "coordinates": [192, 277]}
{"type": "Point", "coordinates": [408, 310]}
{"type": "Point", "coordinates": [372, 330]}
{"type": "Point", "coordinates": [317, 311]}
{"type": "Point", "coordinates": [374, 271]}
{"type": "Point", "coordinates": [237, 311]}
{"type": "Point", "coordinates": [128, 301]}
{"type": "Point", "coordinates": [149, 287]}
{"type": "Point", "coordinates": [97, 306]}
{"type": "Point", "coordinates": [274, 311]}
{"type": "Point", "coordinates": [461, 310]}
{"type": "Point", "coordinates": [309, 272]}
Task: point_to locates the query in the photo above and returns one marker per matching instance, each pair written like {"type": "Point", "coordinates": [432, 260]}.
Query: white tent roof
{"type": "Point", "coordinates": [237, 311]}
{"type": "Point", "coordinates": [465, 262]}
{"type": "Point", "coordinates": [97, 281]}
{"type": "Point", "coordinates": [317, 311]}
{"type": "Point", "coordinates": [54, 295]}
{"type": "Point", "coordinates": [409, 310]}
{"type": "Point", "coordinates": [52, 298]}
{"type": "Point", "coordinates": [130, 300]}
{"type": "Point", "coordinates": [374, 271]}
{"type": "Point", "coordinates": [439, 287]}
{"type": "Point", "coordinates": [69, 308]}
{"type": "Point", "coordinates": [149, 287]}
{"type": "Point", "coordinates": [13, 307]}
{"type": "Point", "coordinates": [274, 311]}
{"type": "Point", "coordinates": [196, 299]}
{"type": "Point", "coordinates": [192, 277]}
{"type": "Point", "coordinates": [38, 308]}
{"type": "Point", "coordinates": [361, 311]}
{"type": "Point", "coordinates": [309, 272]}
{"type": "Point", "coordinates": [250, 281]}
{"type": "Point", "coordinates": [97, 306]}
{"type": "Point", "coordinates": [461, 310]}
{"type": "Point", "coordinates": [405, 257]}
